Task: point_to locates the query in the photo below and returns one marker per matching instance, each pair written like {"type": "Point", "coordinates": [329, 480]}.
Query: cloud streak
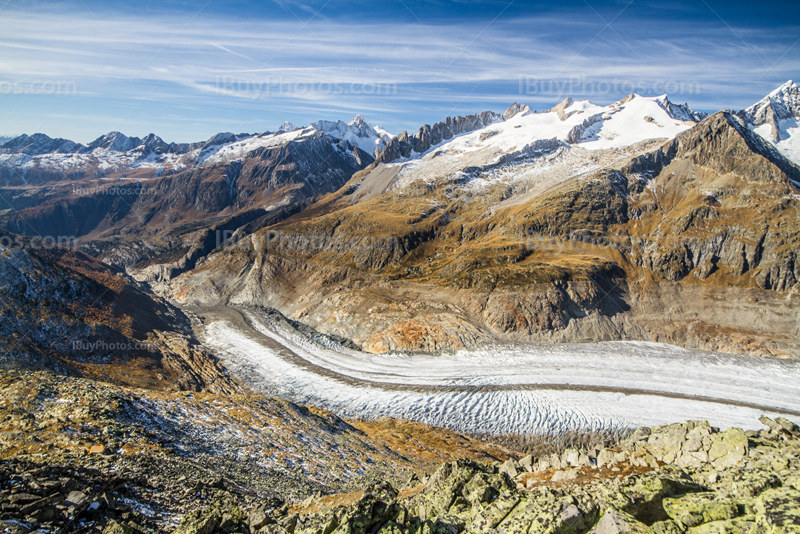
{"type": "Point", "coordinates": [233, 68]}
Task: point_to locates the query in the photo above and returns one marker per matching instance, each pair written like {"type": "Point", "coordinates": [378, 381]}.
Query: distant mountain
{"type": "Point", "coordinates": [578, 222]}
{"type": "Point", "coordinates": [42, 158]}
{"type": "Point", "coordinates": [776, 118]}
{"type": "Point", "coordinates": [357, 132]}
{"type": "Point", "coordinates": [489, 138]}
{"type": "Point", "coordinates": [118, 187]}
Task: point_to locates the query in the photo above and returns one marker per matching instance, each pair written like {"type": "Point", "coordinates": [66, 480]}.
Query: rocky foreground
{"type": "Point", "coordinates": [82, 456]}
{"type": "Point", "coordinates": [76, 454]}
{"type": "Point", "coordinates": [682, 478]}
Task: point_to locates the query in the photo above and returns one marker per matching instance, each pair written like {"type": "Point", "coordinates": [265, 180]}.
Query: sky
{"type": "Point", "coordinates": [188, 70]}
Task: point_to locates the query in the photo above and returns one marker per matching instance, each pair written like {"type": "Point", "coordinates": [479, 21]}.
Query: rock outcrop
{"type": "Point", "coordinates": [401, 146]}
{"type": "Point", "coordinates": [683, 478]}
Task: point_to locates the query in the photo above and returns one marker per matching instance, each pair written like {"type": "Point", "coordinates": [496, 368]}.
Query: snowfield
{"type": "Point", "coordinates": [582, 127]}
{"type": "Point", "coordinates": [511, 389]}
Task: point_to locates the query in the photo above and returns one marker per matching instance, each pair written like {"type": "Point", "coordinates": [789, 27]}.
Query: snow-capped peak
{"type": "Point", "coordinates": [357, 132]}
{"type": "Point", "coordinates": [783, 89]}
{"type": "Point", "coordinates": [287, 127]}
{"type": "Point", "coordinates": [359, 122]}
{"type": "Point", "coordinates": [783, 103]}
{"type": "Point", "coordinates": [681, 112]}
{"type": "Point", "coordinates": [114, 142]}
{"type": "Point", "coordinates": [582, 125]}
{"type": "Point", "coordinates": [776, 118]}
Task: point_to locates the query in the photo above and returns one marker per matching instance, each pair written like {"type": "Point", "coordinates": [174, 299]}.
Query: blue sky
{"type": "Point", "coordinates": [187, 70]}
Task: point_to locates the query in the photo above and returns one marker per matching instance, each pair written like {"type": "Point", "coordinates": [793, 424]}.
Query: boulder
{"type": "Point", "coordinates": [728, 448]}
{"type": "Point", "coordinates": [788, 426]}
{"type": "Point", "coordinates": [666, 527]}
{"type": "Point", "coordinates": [509, 467]}
{"type": "Point", "coordinates": [738, 525]}
{"type": "Point", "coordinates": [526, 463]}
{"type": "Point", "coordinates": [666, 443]}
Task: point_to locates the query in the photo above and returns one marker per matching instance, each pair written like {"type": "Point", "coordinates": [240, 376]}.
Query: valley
{"type": "Point", "coordinates": [327, 326]}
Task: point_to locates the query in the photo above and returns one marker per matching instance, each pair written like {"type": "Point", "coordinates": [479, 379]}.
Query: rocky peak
{"type": "Point", "coordinates": [427, 136]}
{"type": "Point", "coordinates": [681, 112]}
{"type": "Point", "coordinates": [287, 127]}
{"type": "Point", "coordinates": [359, 122]}
{"type": "Point", "coordinates": [153, 143]}
{"type": "Point", "coordinates": [781, 104]}
{"type": "Point", "coordinates": [724, 143]}
{"type": "Point", "coordinates": [515, 109]}
{"type": "Point", "coordinates": [357, 132]}
{"type": "Point", "coordinates": [625, 100]}
{"type": "Point", "coordinates": [114, 142]}
{"type": "Point", "coordinates": [221, 138]}
{"type": "Point", "coordinates": [37, 144]}
{"type": "Point", "coordinates": [559, 109]}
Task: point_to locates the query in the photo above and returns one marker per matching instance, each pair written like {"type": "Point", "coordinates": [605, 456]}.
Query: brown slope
{"type": "Point", "coordinates": [693, 243]}
{"type": "Point", "coordinates": [65, 311]}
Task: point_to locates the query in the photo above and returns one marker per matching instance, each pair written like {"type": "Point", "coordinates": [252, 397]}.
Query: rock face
{"type": "Point", "coordinates": [515, 109]}
{"type": "Point", "coordinates": [780, 105]}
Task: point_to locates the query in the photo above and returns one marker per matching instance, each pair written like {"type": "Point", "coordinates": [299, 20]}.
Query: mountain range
{"type": "Point", "coordinates": [582, 222]}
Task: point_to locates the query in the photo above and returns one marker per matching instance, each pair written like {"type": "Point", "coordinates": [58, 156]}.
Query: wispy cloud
{"type": "Point", "coordinates": [259, 72]}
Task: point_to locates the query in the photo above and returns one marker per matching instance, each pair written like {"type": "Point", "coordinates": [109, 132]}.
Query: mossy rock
{"type": "Point", "coordinates": [666, 527]}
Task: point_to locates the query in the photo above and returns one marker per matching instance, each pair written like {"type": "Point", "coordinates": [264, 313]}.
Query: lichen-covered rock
{"type": "Point", "coordinates": [617, 522]}
{"type": "Point", "coordinates": [666, 527]}
{"type": "Point", "coordinates": [642, 495]}
{"type": "Point", "coordinates": [728, 448]}
{"type": "Point", "coordinates": [778, 511]}
{"type": "Point", "coordinates": [665, 443]}
{"type": "Point", "coordinates": [221, 516]}
{"type": "Point", "coordinates": [748, 485]}
{"type": "Point", "coordinates": [696, 508]}
{"type": "Point", "coordinates": [113, 527]}
{"type": "Point", "coordinates": [739, 525]}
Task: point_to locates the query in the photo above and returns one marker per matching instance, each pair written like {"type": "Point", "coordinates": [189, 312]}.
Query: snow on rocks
{"type": "Point", "coordinates": [776, 118]}
{"type": "Point", "coordinates": [574, 125]}
{"type": "Point", "coordinates": [357, 132]}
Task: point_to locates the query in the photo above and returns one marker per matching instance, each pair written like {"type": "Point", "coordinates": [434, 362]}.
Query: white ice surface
{"type": "Point", "coordinates": [514, 388]}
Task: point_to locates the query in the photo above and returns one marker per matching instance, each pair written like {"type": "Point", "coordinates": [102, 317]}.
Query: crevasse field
{"type": "Point", "coordinates": [512, 389]}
